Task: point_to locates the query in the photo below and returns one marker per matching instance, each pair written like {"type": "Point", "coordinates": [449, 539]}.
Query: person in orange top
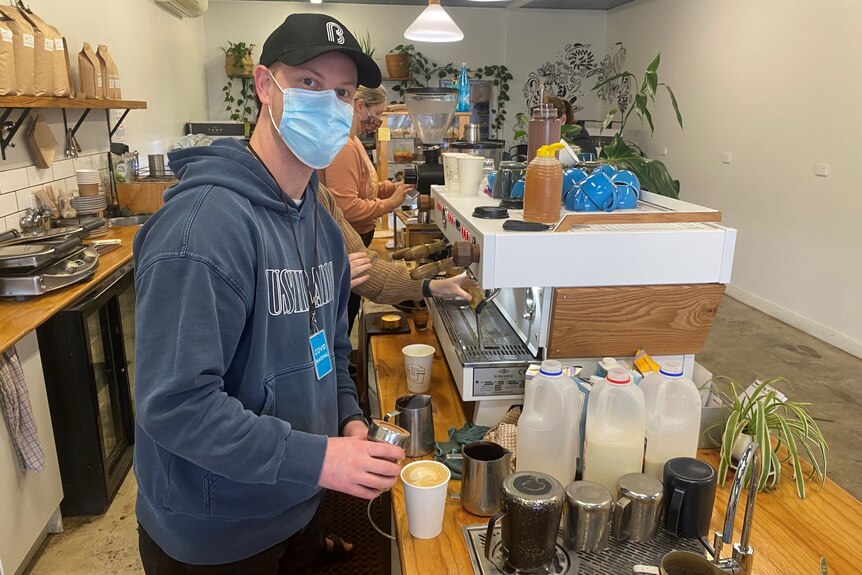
{"type": "Point", "coordinates": [352, 179]}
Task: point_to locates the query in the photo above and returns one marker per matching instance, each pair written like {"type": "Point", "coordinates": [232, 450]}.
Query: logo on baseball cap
{"type": "Point", "coordinates": [302, 37]}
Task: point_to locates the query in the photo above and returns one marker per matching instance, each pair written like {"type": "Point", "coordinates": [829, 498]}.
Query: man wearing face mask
{"type": "Point", "coordinates": [245, 410]}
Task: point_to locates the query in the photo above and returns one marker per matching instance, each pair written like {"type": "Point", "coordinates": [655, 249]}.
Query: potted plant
{"type": "Point", "coordinates": [624, 154]}
{"type": "Point", "coordinates": [398, 61]}
{"type": "Point", "coordinates": [238, 64]}
{"type": "Point", "coordinates": [783, 428]}
{"type": "Point", "coordinates": [237, 60]}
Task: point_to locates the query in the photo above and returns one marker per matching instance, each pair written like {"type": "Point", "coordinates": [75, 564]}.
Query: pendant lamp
{"type": "Point", "coordinates": [434, 25]}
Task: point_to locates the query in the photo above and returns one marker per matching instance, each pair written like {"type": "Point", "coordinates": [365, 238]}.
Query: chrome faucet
{"type": "Point", "coordinates": [742, 559]}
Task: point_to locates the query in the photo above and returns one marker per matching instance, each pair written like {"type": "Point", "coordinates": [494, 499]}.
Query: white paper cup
{"type": "Point", "coordinates": [426, 505]}
{"type": "Point", "coordinates": [470, 174]}
{"type": "Point", "coordinates": [418, 359]}
{"type": "Point", "coordinates": [450, 171]}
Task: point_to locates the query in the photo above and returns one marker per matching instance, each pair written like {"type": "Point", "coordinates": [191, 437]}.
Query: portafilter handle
{"type": "Point", "coordinates": [419, 252]}
{"type": "Point", "coordinates": [431, 269]}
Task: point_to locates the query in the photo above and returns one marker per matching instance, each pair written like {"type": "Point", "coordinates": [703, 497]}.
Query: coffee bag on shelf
{"type": "Point", "coordinates": [24, 43]}
{"type": "Point", "coordinates": [110, 74]}
{"type": "Point", "coordinates": [52, 37]}
{"type": "Point", "coordinates": [43, 78]}
{"type": "Point", "coordinates": [8, 83]}
{"type": "Point", "coordinates": [89, 74]}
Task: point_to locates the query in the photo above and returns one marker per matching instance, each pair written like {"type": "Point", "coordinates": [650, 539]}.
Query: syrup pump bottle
{"type": "Point", "coordinates": [543, 128]}
{"type": "Point", "coordinates": [543, 190]}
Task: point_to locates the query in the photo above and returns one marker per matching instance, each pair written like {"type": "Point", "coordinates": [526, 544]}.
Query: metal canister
{"type": "Point", "coordinates": [157, 165]}
{"type": "Point", "coordinates": [531, 509]}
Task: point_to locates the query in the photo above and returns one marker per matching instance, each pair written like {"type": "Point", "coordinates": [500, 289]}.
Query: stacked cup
{"type": "Point", "coordinates": [88, 182]}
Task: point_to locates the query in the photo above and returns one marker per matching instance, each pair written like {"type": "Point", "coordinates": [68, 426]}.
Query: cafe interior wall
{"type": "Point", "coordinates": [775, 84]}
{"type": "Point", "coordinates": [159, 58]}
{"type": "Point", "coordinates": [522, 40]}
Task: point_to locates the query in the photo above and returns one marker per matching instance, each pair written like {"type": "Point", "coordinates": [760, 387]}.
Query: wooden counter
{"type": "Point", "coordinates": [789, 535]}
{"type": "Point", "coordinates": [17, 319]}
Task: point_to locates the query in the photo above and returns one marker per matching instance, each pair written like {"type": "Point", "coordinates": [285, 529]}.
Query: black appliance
{"type": "Point", "coordinates": [87, 354]}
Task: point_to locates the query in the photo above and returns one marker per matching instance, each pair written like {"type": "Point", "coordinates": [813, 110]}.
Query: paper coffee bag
{"type": "Point", "coordinates": [59, 72]}
{"type": "Point", "coordinates": [8, 83]}
{"type": "Point", "coordinates": [90, 73]}
{"type": "Point", "coordinates": [25, 54]}
{"type": "Point", "coordinates": [110, 76]}
{"type": "Point", "coordinates": [43, 79]}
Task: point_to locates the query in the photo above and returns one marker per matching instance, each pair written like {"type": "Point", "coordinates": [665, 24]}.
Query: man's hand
{"type": "Point", "coordinates": [360, 263]}
{"type": "Point", "coordinates": [355, 428]}
{"type": "Point", "coordinates": [451, 287]}
{"type": "Point", "coordinates": [358, 467]}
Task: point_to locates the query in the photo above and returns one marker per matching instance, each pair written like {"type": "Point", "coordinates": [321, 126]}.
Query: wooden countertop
{"type": "Point", "coordinates": [17, 319]}
{"type": "Point", "coordinates": [789, 535]}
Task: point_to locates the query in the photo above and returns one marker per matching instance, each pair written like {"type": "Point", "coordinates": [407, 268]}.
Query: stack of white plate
{"type": "Point", "coordinates": [88, 205]}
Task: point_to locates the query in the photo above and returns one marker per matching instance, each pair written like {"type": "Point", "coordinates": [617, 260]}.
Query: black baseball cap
{"type": "Point", "coordinates": [302, 37]}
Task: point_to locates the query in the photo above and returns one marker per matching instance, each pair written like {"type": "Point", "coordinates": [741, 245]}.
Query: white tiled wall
{"type": "Point", "coordinates": [18, 184]}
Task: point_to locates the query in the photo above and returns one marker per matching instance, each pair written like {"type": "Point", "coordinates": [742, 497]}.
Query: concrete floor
{"type": "Point", "coordinates": [744, 344]}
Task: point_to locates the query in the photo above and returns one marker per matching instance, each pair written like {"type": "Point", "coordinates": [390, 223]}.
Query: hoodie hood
{"type": "Point", "coordinates": [229, 164]}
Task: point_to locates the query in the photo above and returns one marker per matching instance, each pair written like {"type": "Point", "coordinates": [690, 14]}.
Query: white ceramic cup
{"type": "Point", "coordinates": [418, 359]}
{"type": "Point", "coordinates": [470, 174]}
{"type": "Point", "coordinates": [426, 505]}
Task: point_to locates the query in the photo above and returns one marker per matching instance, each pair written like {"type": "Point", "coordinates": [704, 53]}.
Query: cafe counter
{"type": "Point", "coordinates": [789, 535]}
{"type": "Point", "coordinates": [17, 319]}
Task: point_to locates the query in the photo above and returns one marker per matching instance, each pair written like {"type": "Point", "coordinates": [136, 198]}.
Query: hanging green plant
{"type": "Point", "coordinates": [239, 65]}
{"type": "Point", "coordinates": [423, 70]}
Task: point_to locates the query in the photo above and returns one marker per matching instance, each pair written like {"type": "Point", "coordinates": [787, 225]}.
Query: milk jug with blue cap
{"type": "Point", "coordinates": [672, 417]}
{"type": "Point", "coordinates": [548, 437]}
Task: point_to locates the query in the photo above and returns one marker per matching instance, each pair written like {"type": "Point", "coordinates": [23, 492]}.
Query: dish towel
{"type": "Point", "coordinates": [15, 403]}
{"type": "Point", "coordinates": [458, 438]}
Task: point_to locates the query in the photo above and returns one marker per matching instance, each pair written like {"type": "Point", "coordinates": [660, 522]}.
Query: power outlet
{"type": "Point", "coordinates": [821, 169]}
{"type": "Point", "coordinates": [726, 158]}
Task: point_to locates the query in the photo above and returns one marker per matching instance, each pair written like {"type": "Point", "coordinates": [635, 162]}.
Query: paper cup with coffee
{"type": "Point", "coordinates": [418, 359]}
{"type": "Point", "coordinates": [425, 484]}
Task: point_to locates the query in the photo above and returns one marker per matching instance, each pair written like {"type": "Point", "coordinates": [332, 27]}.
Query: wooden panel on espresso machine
{"type": "Point", "coordinates": [616, 321]}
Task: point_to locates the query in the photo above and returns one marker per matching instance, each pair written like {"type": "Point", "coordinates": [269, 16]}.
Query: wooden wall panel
{"type": "Point", "coordinates": [614, 321]}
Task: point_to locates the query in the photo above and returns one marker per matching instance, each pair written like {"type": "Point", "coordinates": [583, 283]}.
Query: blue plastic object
{"type": "Point", "coordinates": [463, 90]}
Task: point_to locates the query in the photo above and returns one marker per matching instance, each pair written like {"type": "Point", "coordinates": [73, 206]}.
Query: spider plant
{"type": "Point", "coordinates": [783, 425]}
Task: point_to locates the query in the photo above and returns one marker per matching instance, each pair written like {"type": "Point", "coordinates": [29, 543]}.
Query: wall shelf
{"type": "Point", "coordinates": [8, 104]}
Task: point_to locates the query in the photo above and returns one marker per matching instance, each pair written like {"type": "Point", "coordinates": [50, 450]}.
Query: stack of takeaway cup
{"type": "Point", "coordinates": [88, 182]}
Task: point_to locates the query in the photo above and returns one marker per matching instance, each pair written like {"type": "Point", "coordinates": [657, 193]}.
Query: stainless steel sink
{"type": "Point", "coordinates": [128, 221]}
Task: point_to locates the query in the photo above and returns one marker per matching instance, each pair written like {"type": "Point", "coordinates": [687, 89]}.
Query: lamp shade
{"type": "Point", "coordinates": [434, 25]}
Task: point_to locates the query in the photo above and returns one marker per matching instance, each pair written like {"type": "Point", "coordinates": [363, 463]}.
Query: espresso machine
{"type": "Point", "coordinates": [585, 288]}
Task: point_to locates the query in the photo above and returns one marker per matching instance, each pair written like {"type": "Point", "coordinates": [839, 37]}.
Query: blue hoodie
{"type": "Point", "coordinates": [232, 422]}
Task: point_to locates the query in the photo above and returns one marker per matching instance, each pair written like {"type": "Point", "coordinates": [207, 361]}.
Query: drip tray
{"type": "Point", "coordinates": [619, 559]}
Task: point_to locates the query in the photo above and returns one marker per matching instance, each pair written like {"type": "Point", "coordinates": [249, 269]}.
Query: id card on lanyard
{"type": "Point", "coordinates": [320, 353]}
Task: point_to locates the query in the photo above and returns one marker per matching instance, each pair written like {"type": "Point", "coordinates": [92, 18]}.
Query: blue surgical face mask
{"type": "Point", "coordinates": [315, 125]}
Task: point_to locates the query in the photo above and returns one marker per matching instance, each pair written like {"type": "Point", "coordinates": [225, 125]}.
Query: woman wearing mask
{"type": "Point", "coordinates": [353, 181]}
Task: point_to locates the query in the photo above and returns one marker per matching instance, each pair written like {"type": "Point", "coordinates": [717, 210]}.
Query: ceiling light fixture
{"type": "Point", "coordinates": [434, 25]}
{"type": "Point", "coordinates": [317, 1]}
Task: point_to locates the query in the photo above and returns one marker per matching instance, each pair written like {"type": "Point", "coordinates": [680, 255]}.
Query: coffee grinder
{"type": "Point", "coordinates": [431, 111]}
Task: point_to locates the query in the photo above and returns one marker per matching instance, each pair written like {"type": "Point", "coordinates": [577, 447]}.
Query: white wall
{"type": "Point", "coordinates": [776, 84]}
{"type": "Point", "coordinates": [522, 40]}
{"type": "Point", "coordinates": [159, 57]}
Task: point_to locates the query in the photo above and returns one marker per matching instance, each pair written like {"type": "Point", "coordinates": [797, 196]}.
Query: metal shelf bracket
{"type": "Point", "coordinates": [9, 131]}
